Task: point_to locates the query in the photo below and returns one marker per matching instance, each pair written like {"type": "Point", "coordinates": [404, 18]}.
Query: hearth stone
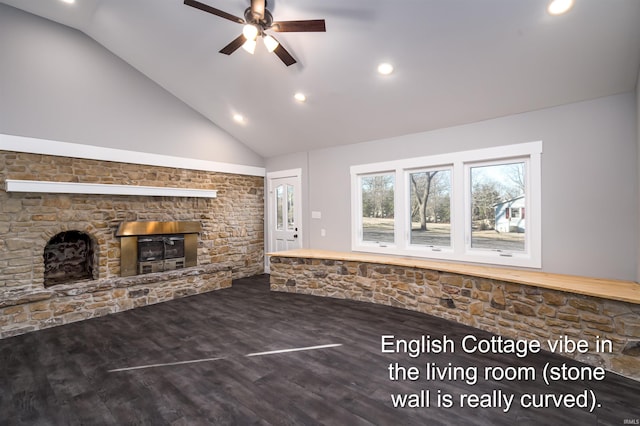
{"type": "Point", "coordinates": [66, 303]}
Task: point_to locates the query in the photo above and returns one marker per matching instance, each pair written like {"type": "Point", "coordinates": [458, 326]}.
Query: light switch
{"type": "Point", "coordinates": [316, 215]}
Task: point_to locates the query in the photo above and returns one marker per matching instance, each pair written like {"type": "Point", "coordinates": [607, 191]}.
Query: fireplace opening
{"type": "Point", "coordinates": [68, 257]}
{"type": "Point", "coordinates": [160, 253]}
{"type": "Point", "coordinates": [147, 247]}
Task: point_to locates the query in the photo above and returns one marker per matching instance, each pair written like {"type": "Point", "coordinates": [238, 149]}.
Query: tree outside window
{"type": "Point", "coordinates": [430, 211]}
{"type": "Point", "coordinates": [378, 209]}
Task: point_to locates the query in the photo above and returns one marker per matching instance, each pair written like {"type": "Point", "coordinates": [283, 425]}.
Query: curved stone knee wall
{"type": "Point", "coordinates": [507, 309]}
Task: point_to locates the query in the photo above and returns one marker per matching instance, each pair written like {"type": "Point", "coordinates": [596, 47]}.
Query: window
{"type": "Point", "coordinates": [465, 206]}
{"type": "Point", "coordinates": [495, 222]}
{"type": "Point", "coordinates": [279, 208]}
{"type": "Point", "coordinates": [285, 193]}
{"type": "Point", "coordinates": [430, 208]}
{"type": "Point", "coordinates": [377, 209]}
{"type": "Point", "coordinates": [290, 205]}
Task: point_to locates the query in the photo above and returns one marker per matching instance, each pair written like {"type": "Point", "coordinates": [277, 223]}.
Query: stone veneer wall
{"type": "Point", "coordinates": [232, 235]}
{"type": "Point", "coordinates": [507, 309]}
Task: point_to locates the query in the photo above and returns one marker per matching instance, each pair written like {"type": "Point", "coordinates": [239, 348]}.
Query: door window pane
{"type": "Point", "coordinates": [430, 212]}
{"type": "Point", "coordinates": [497, 202]}
{"type": "Point", "coordinates": [378, 208]}
{"type": "Point", "coordinates": [280, 208]}
{"type": "Point", "coordinates": [290, 214]}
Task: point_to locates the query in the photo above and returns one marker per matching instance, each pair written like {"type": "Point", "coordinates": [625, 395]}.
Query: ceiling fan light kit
{"type": "Point", "coordinates": [250, 31]}
{"type": "Point", "coordinates": [270, 42]}
{"type": "Point", "coordinates": [249, 46]}
{"type": "Point", "coordinates": [257, 20]}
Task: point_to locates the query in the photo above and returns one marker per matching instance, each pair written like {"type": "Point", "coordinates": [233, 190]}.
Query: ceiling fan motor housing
{"type": "Point", "coordinates": [264, 23]}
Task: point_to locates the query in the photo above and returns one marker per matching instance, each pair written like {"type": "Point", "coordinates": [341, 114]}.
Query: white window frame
{"type": "Point", "coordinates": [357, 234]}
{"type": "Point", "coordinates": [417, 249]}
{"type": "Point", "coordinates": [513, 258]}
{"type": "Point", "coordinates": [460, 164]}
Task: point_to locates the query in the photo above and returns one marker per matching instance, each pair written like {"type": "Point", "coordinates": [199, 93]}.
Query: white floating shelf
{"type": "Point", "coordinates": [104, 189]}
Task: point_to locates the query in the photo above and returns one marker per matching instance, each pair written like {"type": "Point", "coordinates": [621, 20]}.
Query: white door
{"type": "Point", "coordinates": [284, 204]}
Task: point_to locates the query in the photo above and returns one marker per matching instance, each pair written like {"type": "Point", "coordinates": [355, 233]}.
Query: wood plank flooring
{"type": "Point", "coordinates": [61, 376]}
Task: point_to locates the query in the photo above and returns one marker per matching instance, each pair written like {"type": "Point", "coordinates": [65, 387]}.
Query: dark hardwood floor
{"type": "Point", "coordinates": [65, 375]}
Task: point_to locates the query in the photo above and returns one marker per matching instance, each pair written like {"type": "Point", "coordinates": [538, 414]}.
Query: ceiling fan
{"type": "Point", "coordinates": [257, 20]}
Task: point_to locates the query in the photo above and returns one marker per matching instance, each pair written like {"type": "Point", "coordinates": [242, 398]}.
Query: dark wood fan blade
{"type": "Point", "coordinates": [257, 9]}
{"type": "Point", "coordinates": [213, 10]}
{"type": "Point", "coordinates": [284, 55]}
{"type": "Point", "coordinates": [312, 25]}
{"type": "Point", "coordinates": [234, 45]}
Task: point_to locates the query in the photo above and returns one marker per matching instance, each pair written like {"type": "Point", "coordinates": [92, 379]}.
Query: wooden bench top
{"type": "Point", "coordinates": [626, 291]}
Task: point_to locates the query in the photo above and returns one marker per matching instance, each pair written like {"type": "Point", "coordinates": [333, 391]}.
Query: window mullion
{"type": "Point", "coordinates": [356, 208]}
{"type": "Point", "coordinates": [400, 209]}
{"type": "Point", "coordinates": [534, 211]}
{"type": "Point", "coordinates": [460, 208]}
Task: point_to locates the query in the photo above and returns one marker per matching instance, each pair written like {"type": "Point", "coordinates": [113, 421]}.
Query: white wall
{"type": "Point", "coordinates": [589, 181]}
{"type": "Point", "coordinates": [58, 84]}
{"type": "Point", "coordinates": [638, 168]}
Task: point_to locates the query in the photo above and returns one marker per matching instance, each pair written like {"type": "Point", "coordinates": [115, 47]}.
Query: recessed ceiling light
{"type": "Point", "coordinates": [558, 7]}
{"type": "Point", "coordinates": [385, 68]}
{"type": "Point", "coordinates": [239, 118]}
{"type": "Point", "coordinates": [300, 97]}
{"type": "Point", "coordinates": [68, 1]}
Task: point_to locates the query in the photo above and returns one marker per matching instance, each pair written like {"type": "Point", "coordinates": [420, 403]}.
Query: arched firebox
{"type": "Point", "coordinates": [69, 257]}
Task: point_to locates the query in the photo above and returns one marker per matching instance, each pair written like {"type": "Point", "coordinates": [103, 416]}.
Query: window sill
{"type": "Point", "coordinates": [447, 254]}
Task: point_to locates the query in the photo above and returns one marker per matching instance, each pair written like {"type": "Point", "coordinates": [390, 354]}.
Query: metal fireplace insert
{"type": "Point", "coordinates": [160, 253]}
{"type": "Point", "coordinates": [148, 247]}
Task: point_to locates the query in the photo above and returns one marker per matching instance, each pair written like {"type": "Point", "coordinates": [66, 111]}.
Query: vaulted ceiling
{"type": "Point", "coordinates": [456, 62]}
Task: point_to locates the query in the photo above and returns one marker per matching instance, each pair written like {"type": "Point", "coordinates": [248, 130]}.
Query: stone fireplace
{"type": "Point", "coordinates": [64, 256]}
